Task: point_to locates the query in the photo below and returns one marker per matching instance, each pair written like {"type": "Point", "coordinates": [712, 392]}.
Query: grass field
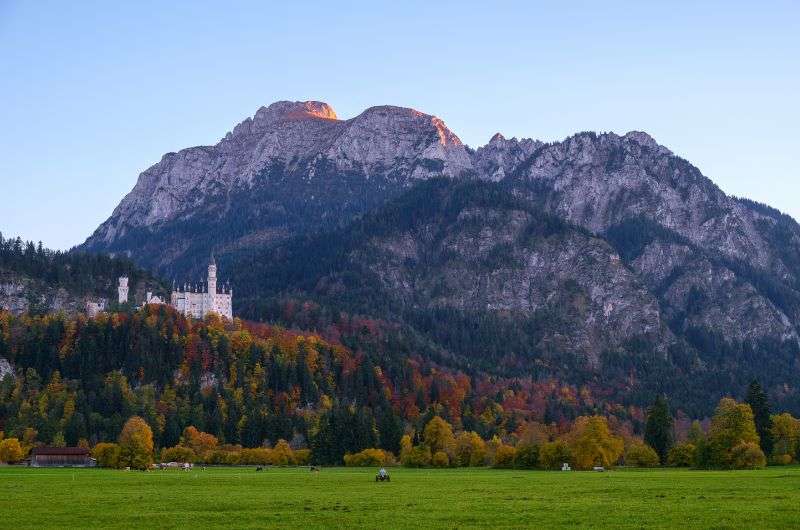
{"type": "Point", "coordinates": [296, 498]}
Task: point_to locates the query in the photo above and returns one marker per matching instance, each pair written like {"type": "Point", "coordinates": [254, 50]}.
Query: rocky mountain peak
{"type": "Point", "coordinates": [645, 140]}
{"type": "Point", "coordinates": [501, 156]}
{"type": "Point", "coordinates": [497, 138]}
{"type": "Point", "coordinates": [295, 110]}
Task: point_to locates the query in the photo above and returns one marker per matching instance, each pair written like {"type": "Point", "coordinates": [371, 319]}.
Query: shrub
{"type": "Point", "coordinates": [222, 457]}
{"type": "Point", "coordinates": [748, 455]}
{"type": "Point", "coordinates": [303, 456]}
{"type": "Point", "coordinates": [682, 455]}
{"type": "Point", "coordinates": [177, 454]}
{"type": "Point", "coordinates": [781, 460]}
{"type": "Point", "coordinates": [256, 456]}
{"type": "Point", "coordinates": [369, 458]}
{"type": "Point", "coordinates": [641, 455]}
{"type": "Point", "coordinates": [553, 454]}
{"type": "Point", "coordinates": [440, 459]}
{"type": "Point", "coordinates": [106, 454]}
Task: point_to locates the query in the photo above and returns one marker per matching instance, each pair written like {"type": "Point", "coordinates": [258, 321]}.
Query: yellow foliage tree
{"type": "Point", "coordinates": [552, 455]}
{"type": "Point", "coordinates": [438, 436]}
{"type": "Point", "coordinates": [504, 456]}
{"type": "Point", "coordinates": [592, 444]}
{"type": "Point", "coordinates": [732, 426]}
{"type": "Point", "coordinates": [440, 459]}
{"type": "Point", "coordinates": [178, 454]}
{"type": "Point", "coordinates": [470, 450]}
{"type": "Point", "coordinates": [198, 441]}
{"type": "Point", "coordinates": [282, 454]}
{"type": "Point", "coordinates": [369, 458]}
{"type": "Point", "coordinates": [639, 454]}
{"type": "Point", "coordinates": [11, 451]}
{"type": "Point", "coordinates": [785, 436]}
{"type": "Point", "coordinates": [106, 454]}
{"type": "Point", "coordinates": [136, 444]}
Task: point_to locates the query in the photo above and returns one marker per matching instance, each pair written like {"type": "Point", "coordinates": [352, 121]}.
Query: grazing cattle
{"type": "Point", "coordinates": [259, 468]}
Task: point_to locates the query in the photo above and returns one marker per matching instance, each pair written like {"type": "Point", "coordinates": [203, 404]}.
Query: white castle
{"type": "Point", "coordinates": [193, 301]}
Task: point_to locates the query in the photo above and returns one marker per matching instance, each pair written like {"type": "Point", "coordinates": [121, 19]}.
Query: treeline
{"type": "Point", "coordinates": [739, 436]}
{"type": "Point", "coordinates": [328, 398]}
{"type": "Point", "coordinates": [360, 386]}
{"type": "Point", "coordinates": [78, 273]}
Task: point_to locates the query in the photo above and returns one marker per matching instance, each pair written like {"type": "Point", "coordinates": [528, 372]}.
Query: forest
{"type": "Point", "coordinates": [78, 273]}
{"type": "Point", "coordinates": [220, 391]}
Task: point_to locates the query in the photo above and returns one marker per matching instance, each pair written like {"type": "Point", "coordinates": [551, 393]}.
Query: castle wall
{"type": "Point", "coordinates": [198, 305]}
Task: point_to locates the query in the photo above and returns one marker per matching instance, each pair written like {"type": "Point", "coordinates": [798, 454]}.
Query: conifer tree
{"type": "Point", "coordinates": [757, 399]}
{"type": "Point", "coordinates": [658, 429]}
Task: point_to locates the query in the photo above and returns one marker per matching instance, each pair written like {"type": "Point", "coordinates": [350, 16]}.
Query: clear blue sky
{"type": "Point", "coordinates": [92, 93]}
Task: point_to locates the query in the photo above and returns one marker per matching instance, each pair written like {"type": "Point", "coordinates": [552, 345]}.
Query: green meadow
{"type": "Point", "coordinates": [415, 498]}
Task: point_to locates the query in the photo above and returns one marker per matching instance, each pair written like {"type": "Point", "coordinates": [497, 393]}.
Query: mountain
{"type": "Point", "coordinates": [292, 168]}
{"type": "Point", "coordinates": [601, 258]}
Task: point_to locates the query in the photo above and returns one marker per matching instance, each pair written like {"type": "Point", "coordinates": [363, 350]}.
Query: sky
{"type": "Point", "coordinates": [93, 93]}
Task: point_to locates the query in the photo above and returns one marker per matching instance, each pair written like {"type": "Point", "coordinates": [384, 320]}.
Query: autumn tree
{"type": "Point", "coordinates": [785, 438]}
{"type": "Point", "coordinates": [106, 454]}
{"type": "Point", "coordinates": [198, 441]}
{"type": "Point", "coordinates": [178, 454]}
{"type": "Point", "coordinates": [682, 455]}
{"type": "Point", "coordinates": [282, 454]}
{"type": "Point", "coordinates": [553, 454]}
{"type": "Point", "coordinates": [10, 450]}
{"type": "Point", "coordinates": [732, 426]}
{"type": "Point", "coordinates": [470, 449]}
{"type": "Point", "coordinates": [658, 429]}
{"type": "Point", "coordinates": [759, 404]}
{"type": "Point", "coordinates": [592, 443]}
{"type": "Point", "coordinates": [438, 436]}
{"type": "Point", "coordinates": [136, 444]}
{"type": "Point", "coordinates": [504, 456]}
{"type": "Point", "coordinates": [640, 454]}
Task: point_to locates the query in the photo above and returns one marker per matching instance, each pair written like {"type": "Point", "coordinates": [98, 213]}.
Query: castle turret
{"type": "Point", "coordinates": [123, 289]}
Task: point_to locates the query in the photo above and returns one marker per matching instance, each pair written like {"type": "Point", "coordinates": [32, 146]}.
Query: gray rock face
{"type": "Point", "coordinates": [5, 369]}
{"type": "Point", "coordinates": [603, 182]}
{"type": "Point", "coordinates": [484, 261]}
{"type": "Point", "coordinates": [22, 295]}
{"type": "Point", "coordinates": [298, 137]}
{"type": "Point", "coordinates": [500, 157]}
{"type": "Point", "coordinates": [598, 181]}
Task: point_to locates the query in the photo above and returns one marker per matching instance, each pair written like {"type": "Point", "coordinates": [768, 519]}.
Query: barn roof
{"type": "Point", "coordinates": [60, 451]}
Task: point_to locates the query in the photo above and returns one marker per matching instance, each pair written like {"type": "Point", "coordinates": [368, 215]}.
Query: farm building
{"type": "Point", "coordinates": [61, 457]}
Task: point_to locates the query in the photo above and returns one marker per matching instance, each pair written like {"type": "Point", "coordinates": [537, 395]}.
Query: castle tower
{"type": "Point", "coordinates": [123, 289]}
{"type": "Point", "coordinates": [211, 291]}
{"type": "Point", "coordinates": [212, 276]}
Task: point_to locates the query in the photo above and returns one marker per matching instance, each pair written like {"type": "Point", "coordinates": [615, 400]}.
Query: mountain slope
{"type": "Point", "coordinates": [645, 268]}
